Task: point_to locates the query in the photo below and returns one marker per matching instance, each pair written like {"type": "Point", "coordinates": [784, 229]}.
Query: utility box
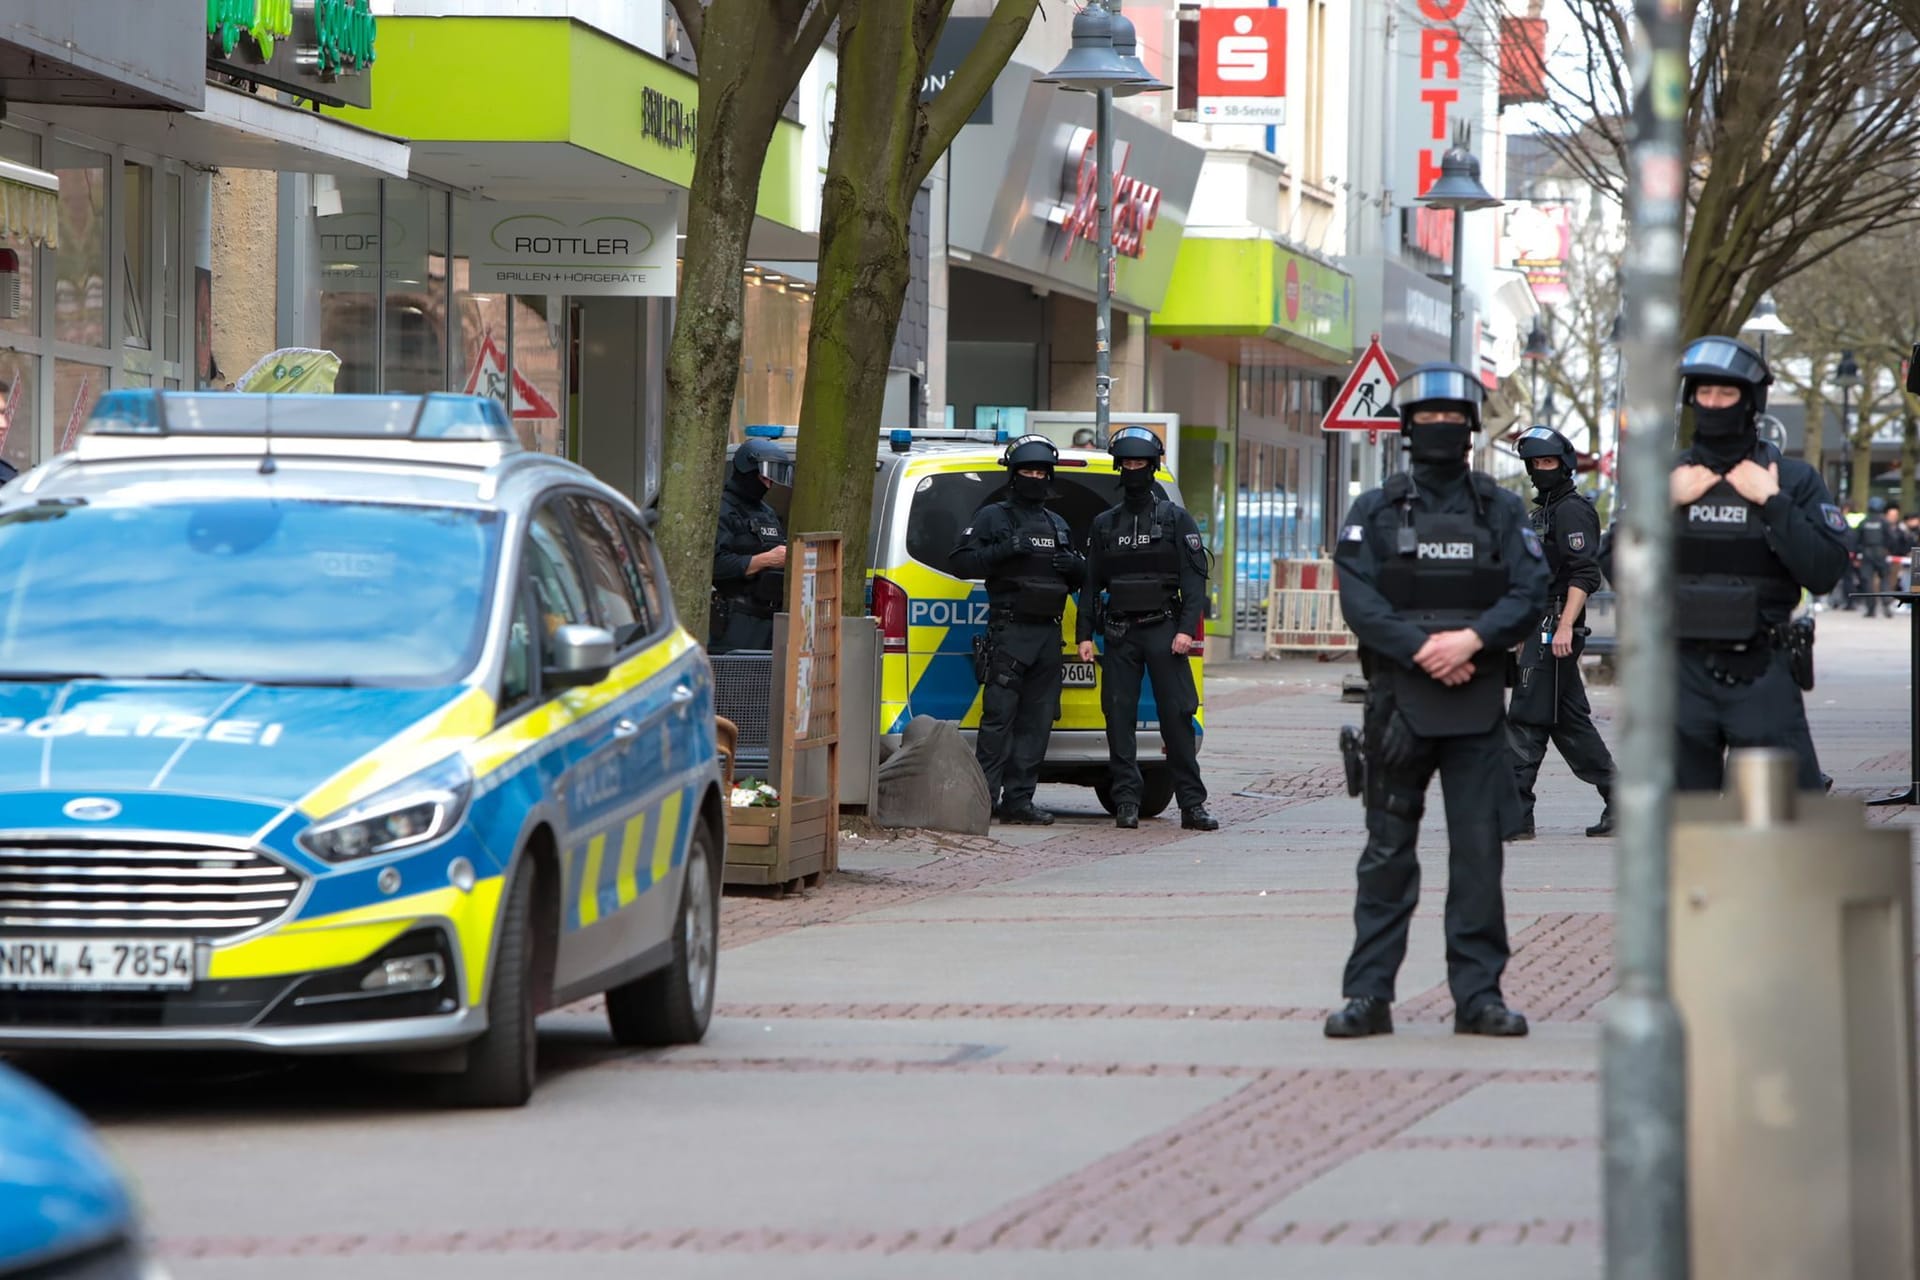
{"type": "Point", "coordinates": [1793, 972]}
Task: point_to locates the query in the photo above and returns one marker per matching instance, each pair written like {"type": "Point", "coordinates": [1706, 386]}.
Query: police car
{"type": "Point", "coordinates": [927, 487]}
{"type": "Point", "coordinates": [342, 724]}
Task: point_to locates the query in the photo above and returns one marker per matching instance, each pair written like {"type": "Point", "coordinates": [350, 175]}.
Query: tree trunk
{"type": "Point", "coordinates": [1860, 488]}
{"type": "Point", "coordinates": [864, 272]}
{"type": "Point", "coordinates": [748, 68]}
{"type": "Point", "coordinates": [1813, 442]}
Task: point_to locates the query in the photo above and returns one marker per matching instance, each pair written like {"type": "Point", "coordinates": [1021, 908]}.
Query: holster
{"type": "Point", "coordinates": [719, 609]}
{"type": "Point", "coordinates": [983, 656]}
{"type": "Point", "coordinates": [1797, 638]}
{"type": "Point", "coordinates": [1353, 756]}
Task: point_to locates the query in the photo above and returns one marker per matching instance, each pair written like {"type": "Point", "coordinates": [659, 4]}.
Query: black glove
{"type": "Point", "coordinates": [1066, 563]}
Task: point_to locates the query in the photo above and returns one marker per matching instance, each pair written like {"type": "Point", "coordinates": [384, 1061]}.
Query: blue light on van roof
{"type": "Point", "coordinates": [765, 432]}
{"type": "Point", "coordinates": [901, 439]}
{"type": "Point", "coordinates": [439, 416]}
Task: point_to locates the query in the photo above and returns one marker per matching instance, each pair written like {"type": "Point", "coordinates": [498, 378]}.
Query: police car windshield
{"type": "Point", "coordinates": [295, 592]}
{"type": "Point", "coordinates": [944, 503]}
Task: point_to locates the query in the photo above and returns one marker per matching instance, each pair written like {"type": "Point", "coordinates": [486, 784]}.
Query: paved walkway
{"type": "Point", "coordinates": [1068, 1053]}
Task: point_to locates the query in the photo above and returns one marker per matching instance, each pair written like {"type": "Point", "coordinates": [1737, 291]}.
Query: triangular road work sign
{"type": "Point", "coordinates": [489, 378]}
{"type": "Point", "coordinates": [1365, 403]}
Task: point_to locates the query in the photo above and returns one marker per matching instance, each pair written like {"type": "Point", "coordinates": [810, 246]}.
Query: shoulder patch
{"type": "Point", "coordinates": [964, 532]}
{"type": "Point", "coordinates": [1353, 533]}
{"type": "Point", "coordinates": [1835, 521]}
{"type": "Point", "coordinates": [1576, 541]}
{"type": "Point", "coordinates": [1193, 540]}
{"type": "Point", "coordinates": [1532, 539]}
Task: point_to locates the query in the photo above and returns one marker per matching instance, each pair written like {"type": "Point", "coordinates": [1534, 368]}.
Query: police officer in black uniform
{"type": "Point", "coordinates": [1440, 575]}
{"type": "Point", "coordinates": [1755, 528]}
{"type": "Point", "coordinates": [1550, 699]}
{"type": "Point", "coordinates": [1025, 553]}
{"type": "Point", "coordinates": [749, 554]}
{"type": "Point", "coordinates": [1874, 544]}
{"type": "Point", "coordinates": [1146, 556]}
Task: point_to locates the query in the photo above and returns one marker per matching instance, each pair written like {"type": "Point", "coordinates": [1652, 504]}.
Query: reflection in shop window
{"type": "Point", "coordinates": [170, 274]}
{"type": "Point", "coordinates": [18, 390]}
{"type": "Point", "coordinates": [22, 147]}
{"type": "Point", "coordinates": [76, 386]}
{"type": "Point", "coordinates": [80, 263]}
{"type": "Point", "coordinates": [773, 351]}
{"type": "Point", "coordinates": [136, 250]}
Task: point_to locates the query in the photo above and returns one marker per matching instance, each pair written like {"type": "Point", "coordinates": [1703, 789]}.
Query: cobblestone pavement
{"type": "Point", "coordinates": [1042, 1053]}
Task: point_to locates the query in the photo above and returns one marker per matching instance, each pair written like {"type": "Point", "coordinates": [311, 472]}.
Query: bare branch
{"type": "Point", "coordinates": [814, 30]}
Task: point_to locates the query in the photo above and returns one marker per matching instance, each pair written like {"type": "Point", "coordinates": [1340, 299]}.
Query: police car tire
{"type": "Point", "coordinates": [503, 1063]}
{"type": "Point", "coordinates": [661, 1008]}
{"type": "Point", "coordinates": [1156, 793]}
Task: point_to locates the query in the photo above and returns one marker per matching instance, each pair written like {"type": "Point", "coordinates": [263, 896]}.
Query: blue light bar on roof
{"type": "Point", "coordinates": [436, 417]}
{"type": "Point", "coordinates": [766, 431]}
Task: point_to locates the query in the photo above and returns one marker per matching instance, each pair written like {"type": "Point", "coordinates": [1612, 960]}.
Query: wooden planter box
{"type": "Point", "coordinates": [754, 855]}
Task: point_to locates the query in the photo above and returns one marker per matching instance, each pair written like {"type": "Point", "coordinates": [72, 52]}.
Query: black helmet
{"type": "Point", "coordinates": [1545, 442]}
{"type": "Point", "coordinates": [1134, 442]}
{"type": "Point", "coordinates": [1725, 362]}
{"type": "Point", "coordinates": [1439, 386]}
{"type": "Point", "coordinates": [1030, 451]}
{"type": "Point", "coordinates": [1877, 505]}
{"type": "Point", "coordinates": [757, 455]}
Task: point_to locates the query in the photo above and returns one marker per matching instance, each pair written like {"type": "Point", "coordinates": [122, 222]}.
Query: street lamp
{"type": "Point", "coordinates": [1102, 62]}
{"type": "Point", "coordinates": [1537, 350]}
{"type": "Point", "coordinates": [1459, 189]}
{"type": "Point", "coordinates": [1846, 377]}
{"type": "Point", "coordinates": [1766, 322]}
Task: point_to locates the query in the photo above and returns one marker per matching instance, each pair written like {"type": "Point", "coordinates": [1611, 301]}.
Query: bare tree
{"type": "Point", "coordinates": [1799, 122]}
{"type": "Point", "coordinates": [751, 55]}
{"type": "Point", "coordinates": [885, 143]}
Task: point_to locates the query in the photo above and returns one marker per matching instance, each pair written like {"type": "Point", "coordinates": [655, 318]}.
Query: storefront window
{"type": "Point", "coordinates": [80, 263]}
{"type": "Point", "coordinates": [414, 346]}
{"type": "Point", "coordinates": [136, 251]}
{"type": "Point", "coordinates": [22, 147]}
{"type": "Point", "coordinates": [170, 272]}
{"type": "Point", "coordinates": [19, 389]}
{"type": "Point", "coordinates": [75, 388]}
{"type": "Point", "coordinates": [348, 241]}
{"type": "Point", "coordinates": [539, 339]}
{"type": "Point", "coordinates": [773, 352]}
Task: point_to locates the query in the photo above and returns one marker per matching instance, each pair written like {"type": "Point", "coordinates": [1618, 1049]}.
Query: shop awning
{"type": "Point", "coordinates": [242, 131]}
{"type": "Point", "coordinates": [29, 204]}
{"type": "Point", "coordinates": [1252, 288]}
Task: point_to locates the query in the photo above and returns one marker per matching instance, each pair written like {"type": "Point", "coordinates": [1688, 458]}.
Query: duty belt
{"type": "Point", "coordinates": [1006, 613]}
{"type": "Point", "coordinates": [1143, 619]}
{"type": "Point", "coordinates": [750, 607]}
{"type": "Point", "coordinates": [1772, 637]}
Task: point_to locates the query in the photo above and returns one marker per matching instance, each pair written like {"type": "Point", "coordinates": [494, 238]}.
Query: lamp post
{"type": "Point", "coordinates": [1766, 322]}
{"type": "Point", "coordinates": [1458, 188]}
{"type": "Point", "coordinates": [1847, 377]}
{"type": "Point", "coordinates": [1537, 350]}
{"type": "Point", "coordinates": [1103, 62]}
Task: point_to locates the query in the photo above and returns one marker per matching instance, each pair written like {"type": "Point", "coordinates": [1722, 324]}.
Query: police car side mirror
{"type": "Point", "coordinates": [1913, 371]}
{"type": "Point", "coordinates": [578, 655]}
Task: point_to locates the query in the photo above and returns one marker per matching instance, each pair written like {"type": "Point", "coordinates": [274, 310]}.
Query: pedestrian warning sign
{"type": "Point", "coordinates": [489, 378]}
{"type": "Point", "coordinates": [1365, 403]}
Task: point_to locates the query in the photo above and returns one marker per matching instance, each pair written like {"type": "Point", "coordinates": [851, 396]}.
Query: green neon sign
{"type": "Point", "coordinates": [264, 20]}
{"type": "Point", "coordinates": [345, 30]}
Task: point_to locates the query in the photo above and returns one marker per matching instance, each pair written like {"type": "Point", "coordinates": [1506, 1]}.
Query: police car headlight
{"type": "Point", "coordinates": [414, 811]}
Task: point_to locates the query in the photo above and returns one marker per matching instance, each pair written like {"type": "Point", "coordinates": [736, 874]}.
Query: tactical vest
{"type": "Point", "coordinates": [1727, 577]}
{"type": "Point", "coordinates": [754, 530]}
{"type": "Point", "coordinates": [1026, 583]}
{"type": "Point", "coordinates": [1873, 536]}
{"type": "Point", "coordinates": [1445, 570]}
{"type": "Point", "coordinates": [1142, 555]}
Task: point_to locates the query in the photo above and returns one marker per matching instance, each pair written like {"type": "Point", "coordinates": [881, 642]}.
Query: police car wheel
{"type": "Point", "coordinates": [1105, 795]}
{"type": "Point", "coordinates": [1156, 792]}
{"type": "Point", "coordinates": [502, 1064]}
{"type": "Point", "coordinates": [673, 1005]}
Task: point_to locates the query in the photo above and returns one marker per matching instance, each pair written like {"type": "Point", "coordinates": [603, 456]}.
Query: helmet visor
{"type": "Point", "coordinates": [1423, 385]}
{"type": "Point", "coordinates": [1723, 359]}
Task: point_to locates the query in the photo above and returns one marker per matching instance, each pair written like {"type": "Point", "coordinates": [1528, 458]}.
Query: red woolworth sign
{"type": "Point", "coordinates": [1136, 204]}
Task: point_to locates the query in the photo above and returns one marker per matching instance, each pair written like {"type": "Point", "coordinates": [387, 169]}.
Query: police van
{"type": "Point", "coordinates": [342, 724]}
{"type": "Point", "coordinates": [927, 486]}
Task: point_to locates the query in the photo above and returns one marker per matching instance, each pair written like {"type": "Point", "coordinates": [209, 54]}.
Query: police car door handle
{"type": "Point", "coordinates": [682, 697]}
{"type": "Point", "coordinates": [625, 728]}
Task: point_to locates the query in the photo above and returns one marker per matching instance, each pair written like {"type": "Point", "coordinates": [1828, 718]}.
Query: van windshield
{"type": "Point", "coordinates": [944, 504]}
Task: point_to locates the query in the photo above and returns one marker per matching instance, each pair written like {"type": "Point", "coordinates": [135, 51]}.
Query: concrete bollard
{"type": "Point", "coordinates": [1793, 971]}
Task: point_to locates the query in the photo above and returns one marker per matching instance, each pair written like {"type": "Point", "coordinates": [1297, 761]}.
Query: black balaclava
{"type": "Point", "coordinates": [1438, 451]}
{"type": "Point", "coordinates": [1547, 483]}
{"type": "Point", "coordinates": [1031, 490]}
{"type": "Point", "coordinates": [1723, 438]}
{"type": "Point", "coordinates": [1136, 486]}
{"type": "Point", "coordinates": [747, 484]}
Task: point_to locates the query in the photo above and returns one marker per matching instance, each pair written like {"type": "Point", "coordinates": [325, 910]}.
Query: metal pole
{"type": "Point", "coordinates": [1458, 345]}
{"type": "Point", "coordinates": [1643, 1066]}
{"type": "Point", "coordinates": [1103, 294]}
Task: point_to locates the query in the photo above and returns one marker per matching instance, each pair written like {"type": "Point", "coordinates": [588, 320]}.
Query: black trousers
{"type": "Point", "coordinates": [1876, 575]}
{"type": "Point", "coordinates": [743, 630]}
{"type": "Point", "coordinates": [1710, 717]}
{"type": "Point", "coordinates": [1476, 780]}
{"type": "Point", "coordinates": [1018, 706]}
{"type": "Point", "coordinates": [1149, 651]}
{"type": "Point", "coordinates": [1572, 731]}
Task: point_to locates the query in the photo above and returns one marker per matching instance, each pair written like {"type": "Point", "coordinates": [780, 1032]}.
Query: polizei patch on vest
{"type": "Point", "coordinates": [1446, 551]}
{"type": "Point", "coordinates": [1835, 521]}
{"type": "Point", "coordinates": [1717, 513]}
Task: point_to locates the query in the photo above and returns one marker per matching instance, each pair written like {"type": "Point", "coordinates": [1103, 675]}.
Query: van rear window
{"type": "Point", "coordinates": [944, 504]}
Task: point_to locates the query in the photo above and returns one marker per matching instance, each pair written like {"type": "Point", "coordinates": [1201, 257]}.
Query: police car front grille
{"type": "Point", "coordinates": [146, 888]}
